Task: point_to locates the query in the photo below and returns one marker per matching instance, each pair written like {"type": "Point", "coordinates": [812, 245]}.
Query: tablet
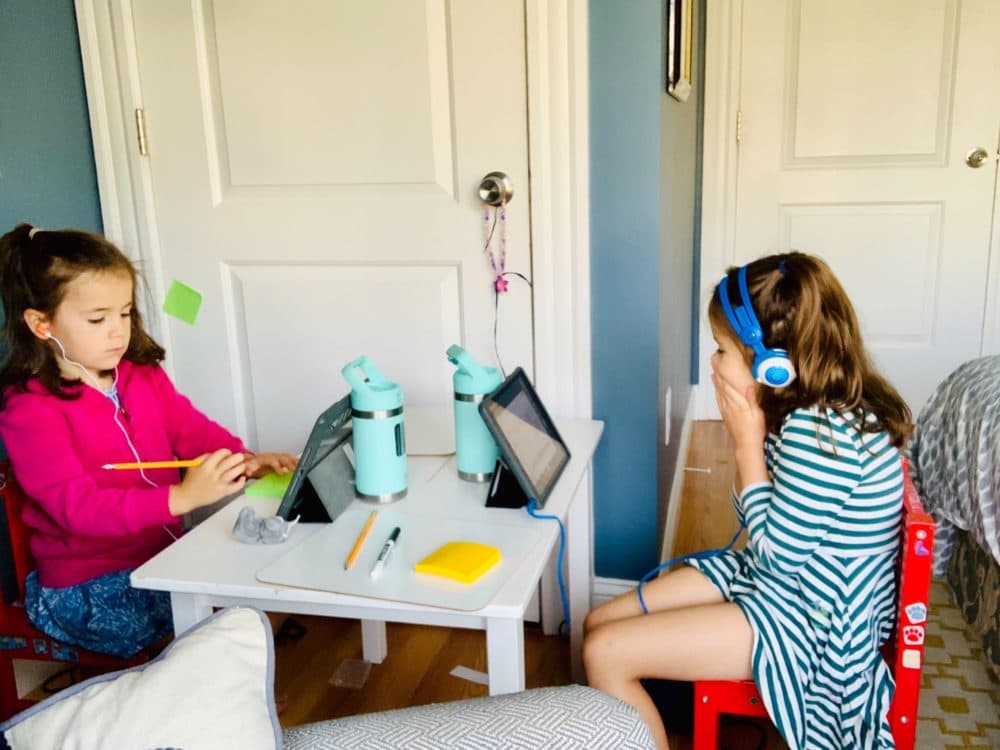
{"type": "Point", "coordinates": [530, 444]}
{"type": "Point", "coordinates": [322, 486]}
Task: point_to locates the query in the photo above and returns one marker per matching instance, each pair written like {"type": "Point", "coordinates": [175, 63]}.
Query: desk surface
{"type": "Point", "coordinates": [208, 560]}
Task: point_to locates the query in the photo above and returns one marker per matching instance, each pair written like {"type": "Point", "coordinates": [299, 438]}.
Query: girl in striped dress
{"type": "Point", "coordinates": [803, 608]}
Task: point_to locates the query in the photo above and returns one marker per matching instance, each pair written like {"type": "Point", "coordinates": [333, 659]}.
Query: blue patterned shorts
{"type": "Point", "coordinates": [104, 614]}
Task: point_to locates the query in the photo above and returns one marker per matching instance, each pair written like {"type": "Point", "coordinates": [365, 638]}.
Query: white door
{"type": "Point", "coordinates": [856, 121]}
{"type": "Point", "coordinates": [315, 169]}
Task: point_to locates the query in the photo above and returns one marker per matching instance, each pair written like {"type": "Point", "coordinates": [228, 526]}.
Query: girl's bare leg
{"type": "Point", "coordinates": [706, 641]}
{"type": "Point", "coordinates": [684, 587]}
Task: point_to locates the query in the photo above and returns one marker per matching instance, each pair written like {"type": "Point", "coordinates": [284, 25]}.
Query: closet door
{"type": "Point", "coordinates": [858, 119]}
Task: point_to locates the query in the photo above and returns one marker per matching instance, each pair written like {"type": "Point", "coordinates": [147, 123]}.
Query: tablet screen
{"type": "Point", "coordinates": [529, 442]}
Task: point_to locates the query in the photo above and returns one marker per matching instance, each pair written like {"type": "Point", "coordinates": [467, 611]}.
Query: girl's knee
{"type": "Point", "coordinates": [597, 656]}
{"type": "Point", "coordinates": [593, 618]}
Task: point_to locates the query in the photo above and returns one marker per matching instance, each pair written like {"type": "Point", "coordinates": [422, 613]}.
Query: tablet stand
{"type": "Point", "coordinates": [505, 491]}
{"type": "Point", "coordinates": [308, 507]}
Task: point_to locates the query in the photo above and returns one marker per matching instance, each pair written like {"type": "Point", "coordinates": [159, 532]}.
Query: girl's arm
{"type": "Point", "coordinates": [42, 452]}
{"type": "Point", "coordinates": [191, 433]}
{"type": "Point", "coordinates": [789, 516]}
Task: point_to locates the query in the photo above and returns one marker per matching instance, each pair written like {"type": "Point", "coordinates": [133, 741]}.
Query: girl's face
{"type": "Point", "coordinates": [93, 321]}
{"type": "Point", "coordinates": [729, 362]}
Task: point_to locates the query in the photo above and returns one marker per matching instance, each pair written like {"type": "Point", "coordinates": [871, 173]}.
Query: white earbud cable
{"type": "Point", "coordinates": [114, 400]}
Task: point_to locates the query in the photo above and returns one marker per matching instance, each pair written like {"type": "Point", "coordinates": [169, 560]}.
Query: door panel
{"type": "Point", "coordinates": [315, 167]}
{"type": "Point", "coordinates": [856, 118]}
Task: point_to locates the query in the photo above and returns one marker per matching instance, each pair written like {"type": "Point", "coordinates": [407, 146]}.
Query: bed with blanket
{"type": "Point", "coordinates": [955, 456]}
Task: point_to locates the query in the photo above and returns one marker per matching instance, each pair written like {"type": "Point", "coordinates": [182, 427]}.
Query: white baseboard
{"type": "Point", "coordinates": [677, 482]}
{"type": "Point", "coordinates": [606, 589]}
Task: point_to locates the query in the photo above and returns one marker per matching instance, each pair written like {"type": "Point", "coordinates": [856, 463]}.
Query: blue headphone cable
{"type": "Point", "coordinates": [531, 507]}
{"type": "Point", "coordinates": [704, 555]}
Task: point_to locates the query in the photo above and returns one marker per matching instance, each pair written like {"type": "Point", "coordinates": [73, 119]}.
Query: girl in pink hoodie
{"type": "Point", "coordinates": [82, 387]}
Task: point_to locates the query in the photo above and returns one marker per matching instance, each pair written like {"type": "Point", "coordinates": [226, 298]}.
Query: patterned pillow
{"type": "Point", "coordinates": [210, 688]}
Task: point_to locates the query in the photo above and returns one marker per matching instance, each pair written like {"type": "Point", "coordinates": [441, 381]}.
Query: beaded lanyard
{"type": "Point", "coordinates": [498, 263]}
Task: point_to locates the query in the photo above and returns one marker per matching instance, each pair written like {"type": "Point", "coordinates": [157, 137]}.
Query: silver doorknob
{"type": "Point", "coordinates": [496, 189]}
{"type": "Point", "coordinates": [977, 157]}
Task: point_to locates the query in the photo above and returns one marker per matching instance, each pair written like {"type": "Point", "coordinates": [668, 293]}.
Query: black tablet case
{"type": "Point", "coordinates": [505, 491]}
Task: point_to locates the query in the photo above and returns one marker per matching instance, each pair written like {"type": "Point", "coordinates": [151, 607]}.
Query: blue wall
{"type": "Point", "coordinates": [626, 85]}
{"type": "Point", "coordinates": [47, 172]}
{"type": "Point", "coordinates": [680, 178]}
{"type": "Point", "coordinates": [645, 177]}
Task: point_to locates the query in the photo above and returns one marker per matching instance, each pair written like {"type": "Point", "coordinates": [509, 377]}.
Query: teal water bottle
{"type": "Point", "coordinates": [379, 442]}
{"type": "Point", "coordinates": [476, 450]}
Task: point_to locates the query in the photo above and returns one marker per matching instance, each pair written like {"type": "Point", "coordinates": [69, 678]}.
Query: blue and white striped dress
{"type": "Point", "coordinates": [817, 579]}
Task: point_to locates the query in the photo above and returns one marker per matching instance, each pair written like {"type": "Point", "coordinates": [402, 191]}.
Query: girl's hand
{"type": "Point", "coordinates": [746, 424]}
{"type": "Point", "coordinates": [219, 474]}
{"type": "Point", "coordinates": [259, 464]}
{"type": "Point", "coordinates": [740, 411]}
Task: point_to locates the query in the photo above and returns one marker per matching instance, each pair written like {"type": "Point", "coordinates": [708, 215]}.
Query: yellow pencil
{"type": "Point", "coordinates": [356, 549]}
{"type": "Point", "coordinates": [156, 465]}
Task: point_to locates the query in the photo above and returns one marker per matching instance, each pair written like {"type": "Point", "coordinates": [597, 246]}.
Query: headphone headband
{"type": "Point", "coordinates": [770, 366]}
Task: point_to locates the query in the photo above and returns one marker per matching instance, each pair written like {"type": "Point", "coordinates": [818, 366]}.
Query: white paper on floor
{"type": "Point", "coordinates": [472, 675]}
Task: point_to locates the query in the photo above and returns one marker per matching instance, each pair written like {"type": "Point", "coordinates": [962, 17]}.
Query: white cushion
{"type": "Point", "coordinates": [211, 688]}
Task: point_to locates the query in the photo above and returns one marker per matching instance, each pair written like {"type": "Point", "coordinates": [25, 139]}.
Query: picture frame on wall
{"type": "Point", "coordinates": [679, 23]}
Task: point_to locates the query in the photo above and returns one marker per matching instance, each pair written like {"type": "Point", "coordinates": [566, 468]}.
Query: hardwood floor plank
{"type": "Point", "coordinates": [707, 519]}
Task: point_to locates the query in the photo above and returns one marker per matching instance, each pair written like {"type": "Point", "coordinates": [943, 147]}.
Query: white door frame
{"type": "Point", "coordinates": [718, 182]}
{"type": "Point", "coordinates": [558, 158]}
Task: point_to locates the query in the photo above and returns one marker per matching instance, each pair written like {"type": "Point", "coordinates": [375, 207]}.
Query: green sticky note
{"type": "Point", "coordinates": [270, 485]}
{"type": "Point", "coordinates": [182, 302]}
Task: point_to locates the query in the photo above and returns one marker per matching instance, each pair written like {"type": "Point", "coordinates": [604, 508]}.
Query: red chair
{"type": "Point", "coordinates": [19, 639]}
{"type": "Point", "coordinates": [904, 653]}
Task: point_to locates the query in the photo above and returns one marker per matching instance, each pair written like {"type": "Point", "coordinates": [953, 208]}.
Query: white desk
{"type": "Point", "coordinates": [208, 568]}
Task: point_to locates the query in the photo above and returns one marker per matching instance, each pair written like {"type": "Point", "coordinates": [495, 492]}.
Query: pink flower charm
{"type": "Point", "coordinates": [500, 284]}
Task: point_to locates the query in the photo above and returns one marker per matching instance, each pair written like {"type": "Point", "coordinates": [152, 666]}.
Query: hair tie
{"type": "Point", "coordinates": [32, 232]}
{"type": "Point", "coordinates": [782, 267]}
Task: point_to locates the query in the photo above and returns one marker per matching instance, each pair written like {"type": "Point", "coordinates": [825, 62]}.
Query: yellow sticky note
{"type": "Point", "coordinates": [270, 485]}
{"type": "Point", "coordinates": [464, 562]}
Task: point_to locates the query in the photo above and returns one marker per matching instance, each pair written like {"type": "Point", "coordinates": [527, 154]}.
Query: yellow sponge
{"type": "Point", "coordinates": [464, 562]}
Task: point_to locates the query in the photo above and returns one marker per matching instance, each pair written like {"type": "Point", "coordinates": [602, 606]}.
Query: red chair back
{"type": "Point", "coordinates": [19, 639]}
{"type": "Point", "coordinates": [14, 554]}
{"type": "Point", "coordinates": [904, 652]}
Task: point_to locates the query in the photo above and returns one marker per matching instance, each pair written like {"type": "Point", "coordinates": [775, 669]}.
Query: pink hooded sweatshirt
{"type": "Point", "coordinates": [86, 521]}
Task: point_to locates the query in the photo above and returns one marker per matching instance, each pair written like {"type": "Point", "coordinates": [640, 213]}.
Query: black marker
{"type": "Point", "coordinates": [383, 555]}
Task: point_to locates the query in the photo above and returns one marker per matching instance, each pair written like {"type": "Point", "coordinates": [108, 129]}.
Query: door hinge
{"type": "Point", "coordinates": [140, 129]}
{"type": "Point", "coordinates": [739, 125]}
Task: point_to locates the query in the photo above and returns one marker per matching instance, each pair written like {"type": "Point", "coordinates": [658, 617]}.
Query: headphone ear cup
{"type": "Point", "coordinates": [773, 368]}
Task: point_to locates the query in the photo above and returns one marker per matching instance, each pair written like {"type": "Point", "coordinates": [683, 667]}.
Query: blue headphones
{"type": "Point", "coordinates": [770, 366]}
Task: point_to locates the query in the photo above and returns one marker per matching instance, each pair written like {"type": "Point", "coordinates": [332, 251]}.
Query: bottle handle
{"type": "Point", "coordinates": [362, 373]}
{"type": "Point", "coordinates": [465, 361]}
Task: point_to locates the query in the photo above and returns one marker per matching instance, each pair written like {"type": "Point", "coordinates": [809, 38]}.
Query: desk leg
{"type": "Point", "coordinates": [188, 610]}
{"type": "Point", "coordinates": [505, 655]}
{"type": "Point", "coordinates": [580, 566]}
{"type": "Point", "coordinates": [373, 643]}
{"type": "Point", "coordinates": [551, 602]}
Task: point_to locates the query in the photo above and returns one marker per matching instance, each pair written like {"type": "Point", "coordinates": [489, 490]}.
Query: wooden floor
{"type": "Point", "coordinates": [416, 671]}
{"type": "Point", "coordinates": [421, 658]}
